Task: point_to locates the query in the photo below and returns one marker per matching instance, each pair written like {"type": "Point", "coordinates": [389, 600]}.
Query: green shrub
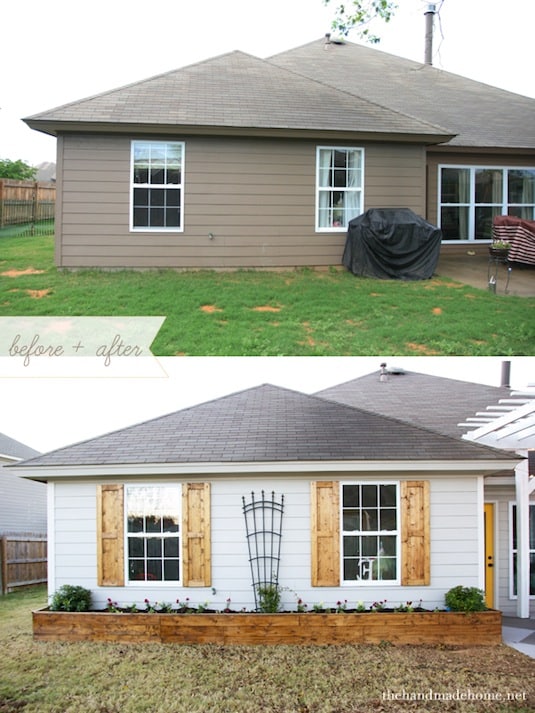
{"type": "Point", "coordinates": [269, 598]}
{"type": "Point", "coordinates": [71, 597]}
{"type": "Point", "coordinates": [465, 599]}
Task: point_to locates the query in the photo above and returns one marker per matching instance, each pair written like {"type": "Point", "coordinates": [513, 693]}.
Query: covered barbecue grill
{"type": "Point", "coordinates": [392, 243]}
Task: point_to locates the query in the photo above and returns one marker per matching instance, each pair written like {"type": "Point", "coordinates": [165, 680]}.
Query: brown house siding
{"type": "Point", "coordinates": [255, 196]}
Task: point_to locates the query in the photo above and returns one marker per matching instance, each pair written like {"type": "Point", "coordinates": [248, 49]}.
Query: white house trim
{"type": "Point", "coordinates": [514, 430]}
{"type": "Point", "coordinates": [453, 468]}
{"type": "Point", "coordinates": [51, 544]}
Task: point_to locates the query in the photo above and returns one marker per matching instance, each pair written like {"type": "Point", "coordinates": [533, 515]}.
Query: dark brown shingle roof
{"type": "Point", "coordinates": [432, 402]}
{"type": "Point", "coordinates": [264, 424]}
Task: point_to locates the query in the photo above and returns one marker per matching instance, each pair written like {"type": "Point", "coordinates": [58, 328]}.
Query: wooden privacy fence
{"type": "Point", "coordinates": [23, 560]}
{"type": "Point", "coordinates": [26, 201]}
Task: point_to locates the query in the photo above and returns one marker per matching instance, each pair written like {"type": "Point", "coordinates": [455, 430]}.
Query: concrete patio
{"type": "Point", "coordinates": [474, 270]}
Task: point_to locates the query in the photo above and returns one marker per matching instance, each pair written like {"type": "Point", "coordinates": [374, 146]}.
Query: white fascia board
{"type": "Point", "coordinates": [253, 468]}
{"type": "Point", "coordinates": [11, 459]}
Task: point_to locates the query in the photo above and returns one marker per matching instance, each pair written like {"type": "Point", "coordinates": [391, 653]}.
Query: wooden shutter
{"type": "Point", "coordinates": [110, 544]}
{"type": "Point", "coordinates": [196, 542]}
{"type": "Point", "coordinates": [325, 522]}
{"type": "Point", "coordinates": [415, 533]}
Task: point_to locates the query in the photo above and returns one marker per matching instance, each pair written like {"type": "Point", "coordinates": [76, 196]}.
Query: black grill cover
{"type": "Point", "coordinates": [392, 243]}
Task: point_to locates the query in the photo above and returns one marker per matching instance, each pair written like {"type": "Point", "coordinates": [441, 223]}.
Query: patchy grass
{"type": "Point", "coordinates": [297, 313]}
{"type": "Point", "coordinates": [37, 677]}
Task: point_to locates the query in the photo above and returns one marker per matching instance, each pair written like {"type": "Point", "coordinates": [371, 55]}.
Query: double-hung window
{"type": "Point", "coordinates": [370, 532]}
{"type": "Point", "coordinates": [514, 551]}
{"type": "Point", "coordinates": [339, 186]}
{"type": "Point", "coordinates": [157, 196]}
{"type": "Point", "coordinates": [153, 533]}
{"type": "Point", "coordinates": [471, 196]}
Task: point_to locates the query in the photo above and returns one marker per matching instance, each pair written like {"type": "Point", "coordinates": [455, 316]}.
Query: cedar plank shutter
{"type": "Point", "coordinates": [196, 544]}
{"type": "Point", "coordinates": [415, 533]}
{"type": "Point", "coordinates": [325, 522]}
{"type": "Point", "coordinates": [110, 539]}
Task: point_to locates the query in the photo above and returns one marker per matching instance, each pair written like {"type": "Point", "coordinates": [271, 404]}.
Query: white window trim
{"type": "Point", "coordinates": [180, 185]}
{"type": "Point", "coordinates": [153, 582]}
{"type": "Point", "coordinates": [512, 506]}
{"type": "Point", "coordinates": [372, 582]}
{"type": "Point", "coordinates": [472, 205]}
{"type": "Point", "coordinates": [341, 229]}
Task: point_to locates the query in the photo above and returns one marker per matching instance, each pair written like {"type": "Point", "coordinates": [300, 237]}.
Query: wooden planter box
{"type": "Point", "coordinates": [478, 629]}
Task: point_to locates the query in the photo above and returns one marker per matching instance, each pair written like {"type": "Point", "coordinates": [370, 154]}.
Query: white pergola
{"type": "Point", "coordinates": [510, 425]}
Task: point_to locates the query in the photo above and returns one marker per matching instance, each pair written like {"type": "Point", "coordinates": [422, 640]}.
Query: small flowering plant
{"type": "Point", "coordinates": [301, 606]}
{"type": "Point", "coordinates": [378, 606]}
{"type": "Point", "coordinates": [500, 245]}
{"type": "Point", "coordinates": [150, 608]}
{"type": "Point", "coordinates": [341, 606]}
{"type": "Point", "coordinates": [112, 606]}
{"type": "Point", "coordinates": [182, 607]}
{"type": "Point", "coordinates": [407, 607]}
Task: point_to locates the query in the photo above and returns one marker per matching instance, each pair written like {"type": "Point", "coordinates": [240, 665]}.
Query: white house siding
{"type": "Point", "coordinates": [22, 503]}
{"type": "Point", "coordinates": [502, 497]}
{"type": "Point", "coordinates": [256, 197]}
{"type": "Point", "coordinates": [455, 556]}
{"type": "Point", "coordinates": [75, 535]}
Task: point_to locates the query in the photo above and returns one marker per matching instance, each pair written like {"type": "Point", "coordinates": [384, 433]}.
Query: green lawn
{"type": "Point", "coordinates": [294, 313]}
{"type": "Point", "coordinates": [40, 677]}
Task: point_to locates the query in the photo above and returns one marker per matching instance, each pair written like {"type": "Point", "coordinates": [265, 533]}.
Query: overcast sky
{"type": "Point", "coordinates": [60, 51]}
{"type": "Point", "coordinates": [46, 413]}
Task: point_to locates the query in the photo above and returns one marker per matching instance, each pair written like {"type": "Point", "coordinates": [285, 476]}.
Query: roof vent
{"type": "Point", "coordinates": [390, 371]}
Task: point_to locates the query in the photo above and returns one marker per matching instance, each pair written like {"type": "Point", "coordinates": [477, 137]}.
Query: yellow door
{"type": "Point", "coordinates": [489, 554]}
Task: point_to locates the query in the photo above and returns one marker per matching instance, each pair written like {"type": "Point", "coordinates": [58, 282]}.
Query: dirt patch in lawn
{"type": "Point", "coordinates": [437, 310]}
{"type": "Point", "coordinates": [38, 294]}
{"type": "Point", "coordinates": [210, 309]}
{"type": "Point", "coordinates": [19, 273]}
{"type": "Point", "coordinates": [422, 349]}
{"type": "Point", "coordinates": [443, 283]}
{"type": "Point", "coordinates": [266, 308]}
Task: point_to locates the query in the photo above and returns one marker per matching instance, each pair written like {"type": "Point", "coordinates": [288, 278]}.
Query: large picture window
{"type": "Point", "coordinates": [339, 179]}
{"type": "Point", "coordinates": [153, 533]}
{"type": "Point", "coordinates": [370, 532]}
{"type": "Point", "coordinates": [157, 185]}
{"type": "Point", "coordinates": [514, 551]}
{"type": "Point", "coordinates": [471, 196]}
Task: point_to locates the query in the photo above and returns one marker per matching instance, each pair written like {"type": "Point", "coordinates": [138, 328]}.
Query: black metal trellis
{"type": "Point", "coordinates": [263, 527]}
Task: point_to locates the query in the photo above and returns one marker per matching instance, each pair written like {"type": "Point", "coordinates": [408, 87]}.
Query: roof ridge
{"type": "Point", "coordinates": [417, 373]}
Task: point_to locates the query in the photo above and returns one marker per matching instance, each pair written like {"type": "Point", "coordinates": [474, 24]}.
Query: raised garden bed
{"type": "Point", "coordinates": [453, 628]}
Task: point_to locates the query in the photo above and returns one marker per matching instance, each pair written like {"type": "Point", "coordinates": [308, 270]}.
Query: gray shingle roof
{"type": "Point", "coordinates": [480, 115]}
{"type": "Point", "coordinates": [266, 423]}
{"type": "Point", "coordinates": [237, 90]}
{"type": "Point", "coordinates": [344, 88]}
{"type": "Point", "coordinates": [15, 449]}
{"type": "Point", "coordinates": [429, 401]}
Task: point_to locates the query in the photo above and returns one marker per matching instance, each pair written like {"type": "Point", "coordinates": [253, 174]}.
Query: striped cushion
{"type": "Point", "coordinates": [520, 233]}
